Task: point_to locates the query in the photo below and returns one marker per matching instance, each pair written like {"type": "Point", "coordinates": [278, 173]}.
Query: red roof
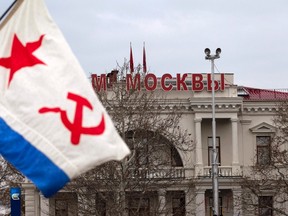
{"type": "Point", "coordinates": [262, 94]}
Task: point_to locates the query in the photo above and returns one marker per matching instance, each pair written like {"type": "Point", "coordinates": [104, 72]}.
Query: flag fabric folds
{"type": "Point", "coordinates": [52, 126]}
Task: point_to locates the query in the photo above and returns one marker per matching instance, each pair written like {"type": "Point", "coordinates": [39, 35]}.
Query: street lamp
{"type": "Point", "coordinates": [214, 155]}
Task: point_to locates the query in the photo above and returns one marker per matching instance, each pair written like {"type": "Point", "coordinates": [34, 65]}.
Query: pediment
{"type": "Point", "coordinates": [263, 128]}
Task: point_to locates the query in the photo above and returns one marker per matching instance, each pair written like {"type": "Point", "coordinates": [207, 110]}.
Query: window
{"type": "Point", "coordinates": [152, 149]}
{"type": "Point", "coordinates": [139, 144]}
{"type": "Point", "coordinates": [210, 150]}
{"type": "Point", "coordinates": [100, 204]}
{"type": "Point", "coordinates": [61, 208]}
{"type": "Point", "coordinates": [220, 211]}
{"type": "Point", "coordinates": [265, 205]}
{"type": "Point", "coordinates": [139, 207]}
{"type": "Point", "coordinates": [142, 153]}
{"type": "Point", "coordinates": [178, 204]}
{"type": "Point", "coordinates": [65, 204]}
{"type": "Point", "coordinates": [175, 157]}
{"type": "Point", "coordinates": [263, 150]}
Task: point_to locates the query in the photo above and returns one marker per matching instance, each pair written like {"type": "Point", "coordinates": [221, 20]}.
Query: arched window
{"type": "Point", "coordinates": [150, 148]}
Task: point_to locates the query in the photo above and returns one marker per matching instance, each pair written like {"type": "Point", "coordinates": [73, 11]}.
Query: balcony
{"type": "Point", "coordinates": [223, 171]}
{"type": "Point", "coordinates": [164, 173]}
{"type": "Point", "coordinates": [170, 173]}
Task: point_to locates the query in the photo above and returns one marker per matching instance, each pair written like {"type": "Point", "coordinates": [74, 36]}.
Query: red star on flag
{"type": "Point", "coordinates": [21, 56]}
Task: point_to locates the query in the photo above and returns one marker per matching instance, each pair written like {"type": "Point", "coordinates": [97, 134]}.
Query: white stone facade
{"type": "Point", "coordinates": [238, 122]}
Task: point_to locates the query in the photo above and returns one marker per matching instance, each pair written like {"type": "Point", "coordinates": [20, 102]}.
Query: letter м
{"type": "Point", "coordinates": [99, 82]}
{"type": "Point", "coordinates": [134, 84]}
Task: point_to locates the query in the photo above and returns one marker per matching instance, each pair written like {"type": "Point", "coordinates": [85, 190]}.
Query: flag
{"type": "Point", "coordinates": [144, 59]}
{"type": "Point", "coordinates": [52, 126]}
{"type": "Point", "coordinates": [131, 60]}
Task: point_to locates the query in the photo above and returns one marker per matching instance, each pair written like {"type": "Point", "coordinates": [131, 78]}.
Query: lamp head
{"type": "Point", "coordinates": [218, 51]}
{"type": "Point", "coordinates": [207, 51]}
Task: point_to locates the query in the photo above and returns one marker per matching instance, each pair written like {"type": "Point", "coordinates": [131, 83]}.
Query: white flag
{"type": "Point", "coordinates": [52, 125]}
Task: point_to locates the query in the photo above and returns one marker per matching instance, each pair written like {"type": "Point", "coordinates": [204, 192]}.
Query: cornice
{"type": "Point", "coordinates": [221, 104]}
{"type": "Point", "coordinates": [260, 107]}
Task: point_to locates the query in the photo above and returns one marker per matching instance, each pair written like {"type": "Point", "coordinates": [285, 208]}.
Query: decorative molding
{"type": "Point", "coordinates": [263, 128]}
{"type": "Point", "coordinates": [245, 121]}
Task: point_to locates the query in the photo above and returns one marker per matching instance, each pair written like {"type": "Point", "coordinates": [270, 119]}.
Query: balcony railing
{"type": "Point", "coordinates": [148, 174]}
{"type": "Point", "coordinates": [223, 171]}
{"type": "Point", "coordinates": [166, 173]}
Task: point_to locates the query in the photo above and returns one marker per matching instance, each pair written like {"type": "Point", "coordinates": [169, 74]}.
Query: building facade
{"type": "Point", "coordinates": [244, 129]}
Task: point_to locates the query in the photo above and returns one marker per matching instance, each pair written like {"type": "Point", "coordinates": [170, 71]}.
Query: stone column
{"type": "Point", "coordinates": [31, 199]}
{"type": "Point", "coordinates": [200, 202]}
{"type": "Point", "coordinates": [198, 150]}
{"type": "Point", "coordinates": [189, 202]}
{"type": "Point", "coordinates": [162, 202]}
{"type": "Point", "coordinates": [235, 147]}
{"type": "Point", "coordinates": [45, 207]}
{"type": "Point", "coordinates": [237, 201]}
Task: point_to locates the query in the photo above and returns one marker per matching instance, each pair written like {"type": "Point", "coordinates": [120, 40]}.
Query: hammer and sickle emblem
{"type": "Point", "coordinates": [76, 127]}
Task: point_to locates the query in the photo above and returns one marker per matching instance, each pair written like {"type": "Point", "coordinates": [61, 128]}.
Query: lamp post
{"type": "Point", "coordinates": [214, 151]}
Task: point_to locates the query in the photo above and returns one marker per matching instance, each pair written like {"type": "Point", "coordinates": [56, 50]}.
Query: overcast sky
{"type": "Point", "coordinates": [253, 36]}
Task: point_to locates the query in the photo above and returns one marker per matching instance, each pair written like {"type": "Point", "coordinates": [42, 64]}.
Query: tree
{"type": "Point", "coordinates": [149, 124]}
{"type": "Point", "coordinates": [9, 177]}
{"type": "Point", "coordinates": [266, 185]}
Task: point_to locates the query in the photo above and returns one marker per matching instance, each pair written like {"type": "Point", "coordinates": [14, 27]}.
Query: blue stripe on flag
{"type": "Point", "coordinates": [48, 177]}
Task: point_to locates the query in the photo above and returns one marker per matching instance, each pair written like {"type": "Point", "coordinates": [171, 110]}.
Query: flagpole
{"type": "Point", "coordinates": [131, 62]}
{"type": "Point", "coordinates": [144, 59]}
{"type": "Point", "coordinates": [10, 11]}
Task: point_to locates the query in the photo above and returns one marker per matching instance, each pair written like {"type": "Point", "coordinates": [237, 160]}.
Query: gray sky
{"type": "Point", "coordinates": [253, 35]}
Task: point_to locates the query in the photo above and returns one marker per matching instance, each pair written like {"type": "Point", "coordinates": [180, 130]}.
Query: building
{"type": "Point", "coordinates": [244, 128]}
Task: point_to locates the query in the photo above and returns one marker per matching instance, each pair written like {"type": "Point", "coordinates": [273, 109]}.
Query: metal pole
{"type": "Point", "coordinates": [215, 162]}
{"type": "Point", "coordinates": [8, 10]}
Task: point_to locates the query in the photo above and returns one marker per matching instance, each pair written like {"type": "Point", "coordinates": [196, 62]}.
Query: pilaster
{"type": "Point", "coordinates": [162, 202]}
{"type": "Point", "coordinates": [237, 201]}
{"type": "Point", "coordinates": [198, 150]}
{"type": "Point", "coordinates": [200, 202]}
{"type": "Point", "coordinates": [235, 147]}
{"type": "Point", "coordinates": [31, 199]}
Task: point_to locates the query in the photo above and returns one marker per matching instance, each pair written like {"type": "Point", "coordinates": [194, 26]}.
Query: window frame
{"type": "Point", "coordinates": [142, 206]}
{"type": "Point", "coordinates": [260, 147]}
{"type": "Point", "coordinates": [263, 206]}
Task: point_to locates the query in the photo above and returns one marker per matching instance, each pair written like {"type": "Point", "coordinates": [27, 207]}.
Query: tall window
{"type": "Point", "coordinates": [142, 153]}
{"type": "Point", "coordinates": [175, 157]}
{"type": "Point", "coordinates": [101, 204]}
{"type": "Point", "coordinates": [263, 150]}
{"type": "Point", "coordinates": [220, 205]}
{"type": "Point", "coordinates": [210, 150]}
{"type": "Point", "coordinates": [152, 149]}
{"type": "Point", "coordinates": [265, 205]}
{"type": "Point", "coordinates": [139, 206]}
{"type": "Point", "coordinates": [65, 204]}
{"type": "Point", "coordinates": [178, 204]}
{"type": "Point", "coordinates": [61, 208]}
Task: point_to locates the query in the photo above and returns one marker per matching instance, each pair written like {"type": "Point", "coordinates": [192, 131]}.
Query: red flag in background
{"type": "Point", "coordinates": [144, 59]}
{"type": "Point", "coordinates": [131, 60]}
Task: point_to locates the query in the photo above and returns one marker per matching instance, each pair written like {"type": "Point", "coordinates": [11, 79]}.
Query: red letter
{"type": "Point", "coordinates": [222, 86]}
{"type": "Point", "coordinates": [181, 81]}
{"type": "Point", "coordinates": [136, 82]}
{"type": "Point", "coordinates": [96, 84]}
{"type": "Point", "coordinates": [164, 87]}
{"type": "Point", "coordinates": [197, 82]}
{"type": "Point", "coordinates": [209, 83]}
{"type": "Point", "coordinates": [146, 82]}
